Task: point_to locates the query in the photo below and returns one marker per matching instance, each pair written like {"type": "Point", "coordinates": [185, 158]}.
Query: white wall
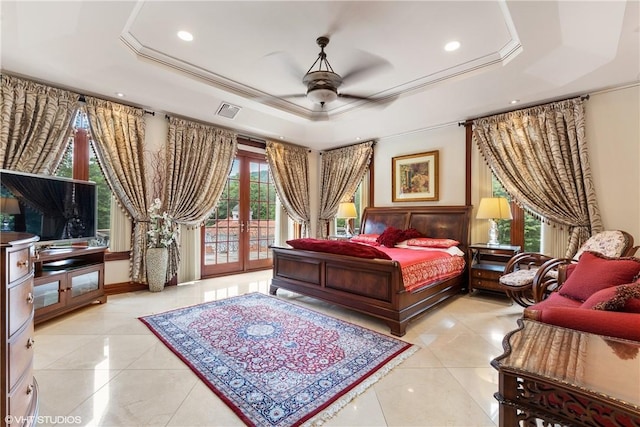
{"type": "Point", "coordinates": [450, 143]}
{"type": "Point", "coordinates": [613, 138]}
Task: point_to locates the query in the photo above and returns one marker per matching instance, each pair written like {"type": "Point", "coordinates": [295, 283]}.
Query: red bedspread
{"type": "Point", "coordinates": [420, 268]}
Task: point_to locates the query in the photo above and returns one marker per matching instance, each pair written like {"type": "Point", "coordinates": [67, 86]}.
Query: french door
{"type": "Point", "coordinates": [237, 236]}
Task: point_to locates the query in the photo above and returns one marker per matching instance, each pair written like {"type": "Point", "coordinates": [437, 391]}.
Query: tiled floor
{"type": "Point", "coordinates": [102, 366]}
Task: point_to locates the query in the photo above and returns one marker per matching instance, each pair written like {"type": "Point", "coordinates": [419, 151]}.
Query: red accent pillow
{"type": "Point", "coordinates": [391, 236]}
{"type": "Point", "coordinates": [411, 233]}
{"type": "Point", "coordinates": [428, 242]}
{"type": "Point", "coordinates": [594, 272]}
{"type": "Point", "coordinates": [616, 298]}
{"type": "Point", "coordinates": [338, 247]}
{"type": "Point", "coordinates": [369, 239]}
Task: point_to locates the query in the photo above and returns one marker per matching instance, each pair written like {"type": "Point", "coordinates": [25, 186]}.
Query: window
{"type": "Point", "coordinates": [80, 162]}
{"type": "Point", "coordinates": [508, 231]}
{"type": "Point", "coordinates": [361, 203]}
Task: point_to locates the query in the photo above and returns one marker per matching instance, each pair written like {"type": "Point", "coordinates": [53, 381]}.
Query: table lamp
{"type": "Point", "coordinates": [8, 206]}
{"type": "Point", "coordinates": [347, 210]}
{"type": "Point", "coordinates": [493, 208]}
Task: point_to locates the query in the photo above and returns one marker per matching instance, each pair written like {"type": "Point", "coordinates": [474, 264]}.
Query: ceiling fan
{"type": "Point", "coordinates": [322, 82]}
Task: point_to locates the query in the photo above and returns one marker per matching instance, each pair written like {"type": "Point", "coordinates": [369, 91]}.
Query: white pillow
{"type": "Point", "coordinates": [453, 250]}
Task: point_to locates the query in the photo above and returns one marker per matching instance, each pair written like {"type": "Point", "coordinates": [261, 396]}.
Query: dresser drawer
{"type": "Point", "coordinates": [477, 273]}
{"type": "Point", "coordinates": [19, 264]}
{"type": "Point", "coordinates": [21, 305]}
{"type": "Point", "coordinates": [22, 398]}
{"type": "Point", "coordinates": [20, 351]}
{"type": "Point", "coordinates": [485, 284]}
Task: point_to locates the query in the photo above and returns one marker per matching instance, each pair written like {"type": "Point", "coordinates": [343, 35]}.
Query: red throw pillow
{"type": "Point", "coordinates": [338, 247]}
{"type": "Point", "coordinates": [410, 233]}
{"type": "Point", "coordinates": [391, 236]}
{"type": "Point", "coordinates": [594, 272]}
{"type": "Point", "coordinates": [616, 298]}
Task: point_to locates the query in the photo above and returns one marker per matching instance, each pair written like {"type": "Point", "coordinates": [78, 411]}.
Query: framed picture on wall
{"type": "Point", "coordinates": [415, 177]}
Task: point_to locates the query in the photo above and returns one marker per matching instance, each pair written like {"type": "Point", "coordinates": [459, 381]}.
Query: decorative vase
{"type": "Point", "coordinates": [157, 259]}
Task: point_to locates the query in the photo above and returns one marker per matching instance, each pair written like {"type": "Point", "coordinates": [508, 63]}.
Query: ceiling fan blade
{"type": "Point", "coordinates": [382, 101]}
{"type": "Point", "coordinates": [286, 60]}
{"type": "Point", "coordinates": [357, 97]}
{"type": "Point", "coordinates": [368, 64]}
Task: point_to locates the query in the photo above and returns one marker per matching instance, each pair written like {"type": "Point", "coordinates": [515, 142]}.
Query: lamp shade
{"type": "Point", "coordinates": [494, 208]}
{"type": "Point", "coordinates": [9, 206]}
{"type": "Point", "coordinates": [347, 210]}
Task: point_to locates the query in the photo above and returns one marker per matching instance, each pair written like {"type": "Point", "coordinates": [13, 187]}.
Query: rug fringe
{"type": "Point", "coordinates": [336, 406]}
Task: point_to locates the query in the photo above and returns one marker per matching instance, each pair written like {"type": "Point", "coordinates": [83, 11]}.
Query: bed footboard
{"type": "Point", "coordinates": [373, 287]}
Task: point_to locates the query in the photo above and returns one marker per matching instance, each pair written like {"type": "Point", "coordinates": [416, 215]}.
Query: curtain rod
{"type": "Point", "coordinates": [82, 98]}
{"type": "Point", "coordinates": [372, 141]}
{"type": "Point", "coordinates": [470, 121]}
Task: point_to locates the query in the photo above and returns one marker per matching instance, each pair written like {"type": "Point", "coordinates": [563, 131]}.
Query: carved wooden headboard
{"type": "Point", "coordinates": [451, 222]}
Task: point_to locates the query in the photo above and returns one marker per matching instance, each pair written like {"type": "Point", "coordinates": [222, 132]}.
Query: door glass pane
{"type": "Point", "coordinates": [222, 228]}
{"type": "Point", "coordinates": [262, 213]}
{"type": "Point", "coordinates": [46, 294]}
{"type": "Point", "coordinates": [84, 283]}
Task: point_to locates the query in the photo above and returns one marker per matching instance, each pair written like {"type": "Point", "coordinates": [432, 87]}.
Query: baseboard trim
{"type": "Point", "coordinates": [124, 287]}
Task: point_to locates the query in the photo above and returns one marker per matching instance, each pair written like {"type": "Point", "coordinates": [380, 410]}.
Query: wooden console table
{"type": "Point", "coordinates": [567, 377]}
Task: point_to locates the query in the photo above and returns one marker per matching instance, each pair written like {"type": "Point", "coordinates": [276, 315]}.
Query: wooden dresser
{"type": "Point", "coordinates": [19, 403]}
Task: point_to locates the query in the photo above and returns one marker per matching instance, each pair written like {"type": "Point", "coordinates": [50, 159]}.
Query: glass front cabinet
{"type": "Point", "coordinates": [63, 285]}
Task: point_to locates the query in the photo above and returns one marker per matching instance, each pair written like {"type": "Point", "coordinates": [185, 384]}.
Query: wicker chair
{"type": "Point", "coordinates": [527, 268]}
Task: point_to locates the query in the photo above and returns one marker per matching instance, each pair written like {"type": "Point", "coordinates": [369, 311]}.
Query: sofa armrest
{"type": "Point", "coordinates": [608, 323]}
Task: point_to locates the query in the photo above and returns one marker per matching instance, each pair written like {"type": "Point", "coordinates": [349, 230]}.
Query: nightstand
{"type": "Point", "coordinates": [486, 265]}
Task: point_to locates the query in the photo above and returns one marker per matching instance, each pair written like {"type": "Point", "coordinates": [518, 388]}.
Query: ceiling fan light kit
{"type": "Point", "coordinates": [322, 84]}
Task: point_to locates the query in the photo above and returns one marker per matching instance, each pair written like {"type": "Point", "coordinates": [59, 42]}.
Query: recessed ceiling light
{"type": "Point", "coordinates": [358, 138]}
{"type": "Point", "coordinates": [515, 101]}
{"type": "Point", "coordinates": [120, 94]}
{"type": "Point", "coordinates": [452, 45]}
{"type": "Point", "coordinates": [185, 35]}
{"type": "Point", "coordinates": [282, 137]}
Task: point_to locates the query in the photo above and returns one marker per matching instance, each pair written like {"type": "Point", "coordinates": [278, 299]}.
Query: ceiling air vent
{"type": "Point", "coordinates": [227, 110]}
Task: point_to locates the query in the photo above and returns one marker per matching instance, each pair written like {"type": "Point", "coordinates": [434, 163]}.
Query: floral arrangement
{"type": "Point", "coordinates": [162, 230]}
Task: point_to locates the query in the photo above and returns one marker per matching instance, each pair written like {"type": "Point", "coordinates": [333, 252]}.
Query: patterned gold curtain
{"type": "Point", "coordinates": [341, 172]}
{"type": "Point", "coordinates": [289, 166]}
{"type": "Point", "coordinates": [540, 157]}
{"type": "Point", "coordinates": [198, 162]}
{"type": "Point", "coordinates": [36, 124]}
{"type": "Point", "coordinates": [118, 136]}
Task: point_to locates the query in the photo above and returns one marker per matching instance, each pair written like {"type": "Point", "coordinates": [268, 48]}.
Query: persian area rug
{"type": "Point", "coordinates": [276, 363]}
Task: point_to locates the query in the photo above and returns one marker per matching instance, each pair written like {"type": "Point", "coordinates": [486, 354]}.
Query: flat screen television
{"type": "Point", "coordinates": [59, 210]}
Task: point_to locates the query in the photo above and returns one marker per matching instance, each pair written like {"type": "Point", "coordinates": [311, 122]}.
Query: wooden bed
{"type": "Point", "coordinates": [375, 286]}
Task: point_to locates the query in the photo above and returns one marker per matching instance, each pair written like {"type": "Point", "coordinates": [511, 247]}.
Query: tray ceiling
{"type": "Point", "coordinates": [253, 55]}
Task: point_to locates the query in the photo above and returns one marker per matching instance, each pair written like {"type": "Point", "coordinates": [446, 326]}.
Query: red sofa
{"type": "Point", "coordinates": [600, 295]}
